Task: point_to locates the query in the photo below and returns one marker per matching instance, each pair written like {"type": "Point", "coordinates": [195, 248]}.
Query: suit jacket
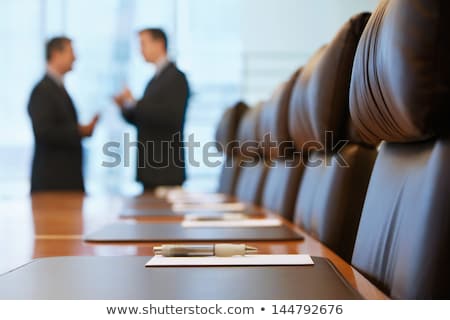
{"type": "Point", "coordinates": [57, 161]}
{"type": "Point", "coordinates": [159, 119]}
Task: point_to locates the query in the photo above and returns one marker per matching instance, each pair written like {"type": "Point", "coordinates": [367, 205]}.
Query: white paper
{"type": "Point", "coordinates": [216, 216]}
{"type": "Point", "coordinates": [198, 198]}
{"type": "Point", "coordinates": [271, 222]}
{"type": "Point", "coordinates": [249, 260]}
{"type": "Point", "coordinates": [238, 206]}
{"type": "Point", "coordinates": [164, 191]}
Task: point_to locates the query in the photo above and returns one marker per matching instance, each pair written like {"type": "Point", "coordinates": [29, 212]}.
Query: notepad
{"type": "Point", "coordinates": [196, 198]}
{"type": "Point", "coordinates": [164, 191]}
{"type": "Point", "coordinates": [238, 206]}
{"type": "Point", "coordinates": [249, 260]}
{"type": "Point", "coordinates": [126, 277]}
{"type": "Point", "coordinates": [216, 216]}
{"type": "Point", "coordinates": [174, 232]}
{"type": "Point", "coordinates": [271, 222]}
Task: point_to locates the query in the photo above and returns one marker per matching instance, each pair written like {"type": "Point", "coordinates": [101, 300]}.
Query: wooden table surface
{"type": "Point", "coordinates": [52, 224]}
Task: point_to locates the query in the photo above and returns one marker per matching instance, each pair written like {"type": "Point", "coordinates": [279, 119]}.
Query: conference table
{"type": "Point", "coordinates": [52, 224]}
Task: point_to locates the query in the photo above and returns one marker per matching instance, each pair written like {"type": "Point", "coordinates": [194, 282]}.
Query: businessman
{"type": "Point", "coordinates": [158, 115]}
{"type": "Point", "coordinates": [57, 161]}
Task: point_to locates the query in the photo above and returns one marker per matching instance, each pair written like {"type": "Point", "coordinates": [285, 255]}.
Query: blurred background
{"type": "Point", "coordinates": [230, 50]}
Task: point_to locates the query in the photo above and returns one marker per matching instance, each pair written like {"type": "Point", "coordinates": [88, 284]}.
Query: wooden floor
{"type": "Point", "coordinates": [52, 224]}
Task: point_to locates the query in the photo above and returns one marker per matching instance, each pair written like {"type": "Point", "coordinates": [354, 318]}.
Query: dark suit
{"type": "Point", "coordinates": [159, 119]}
{"type": "Point", "coordinates": [57, 161]}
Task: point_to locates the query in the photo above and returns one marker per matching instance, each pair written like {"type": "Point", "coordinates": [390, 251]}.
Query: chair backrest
{"type": "Point", "coordinates": [338, 164]}
{"type": "Point", "coordinates": [400, 93]}
{"type": "Point", "coordinates": [226, 138]}
{"type": "Point", "coordinates": [284, 165]}
{"type": "Point", "coordinates": [253, 170]}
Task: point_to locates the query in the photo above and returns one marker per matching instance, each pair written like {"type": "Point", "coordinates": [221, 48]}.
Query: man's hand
{"type": "Point", "coordinates": [119, 100]}
{"type": "Point", "coordinates": [123, 98]}
{"type": "Point", "coordinates": [127, 95]}
{"type": "Point", "coordinates": [88, 130]}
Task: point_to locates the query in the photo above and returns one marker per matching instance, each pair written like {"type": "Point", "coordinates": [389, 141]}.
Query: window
{"type": "Point", "coordinates": [108, 57]}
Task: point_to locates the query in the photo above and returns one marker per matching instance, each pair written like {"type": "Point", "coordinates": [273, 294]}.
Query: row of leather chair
{"type": "Point", "coordinates": [310, 151]}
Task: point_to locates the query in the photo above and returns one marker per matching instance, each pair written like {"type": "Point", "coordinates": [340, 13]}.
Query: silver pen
{"type": "Point", "coordinates": [218, 250]}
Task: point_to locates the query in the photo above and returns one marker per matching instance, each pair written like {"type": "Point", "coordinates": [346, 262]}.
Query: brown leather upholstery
{"type": "Point", "coordinates": [400, 93]}
{"type": "Point", "coordinates": [403, 238]}
{"type": "Point", "coordinates": [229, 174]}
{"type": "Point", "coordinates": [285, 168]}
{"type": "Point", "coordinates": [227, 129]}
{"type": "Point", "coordinates": [281, 187]}
{"type": "Point", "coordinates": [226, 138]}
{"type": "Point", "coordinates": [334, 182]}
{"type": "Point", "coordinates": [253, 170]}
{"type": "Point", "coordinates": [250, 183]}
{"type": "Point", "coordinates": [331, 197]}
{"type": "Point", "coordinates": [274, 120]}
{"type": "Point", "coordinates": [249, 130]}
{"type": "Point", "coordinates": [320, 96]}
{"type": "Point", "coordinates": [403, 62]}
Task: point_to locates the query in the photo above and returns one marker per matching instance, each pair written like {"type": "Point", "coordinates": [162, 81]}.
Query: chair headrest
{"type": "Point", "coordinates": [274, 120]}
{"type": "Point", "coordinates": [249, 136]}
{"type": "Point", "coordinates": [228, 127]}
{"type": "Point", "coordinates": [319, 101]}
{"type": "Point", "coordinates": [400, 85]}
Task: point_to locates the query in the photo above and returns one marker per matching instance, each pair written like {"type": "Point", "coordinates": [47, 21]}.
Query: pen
{"type": "Point", "coordinates": [218, 250]}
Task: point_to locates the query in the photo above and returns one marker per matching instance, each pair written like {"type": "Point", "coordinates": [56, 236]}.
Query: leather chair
{"type": "Point", "coordinates": [227, 143]}
{"type": "Point", "coordinates": [284, 165]}
{"type": "Point", "coordinates": [335, 179]}
{"type": "Point", "coordinates": [400, 94]}
{"type": "Point", "coordinates": [253, 170]}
